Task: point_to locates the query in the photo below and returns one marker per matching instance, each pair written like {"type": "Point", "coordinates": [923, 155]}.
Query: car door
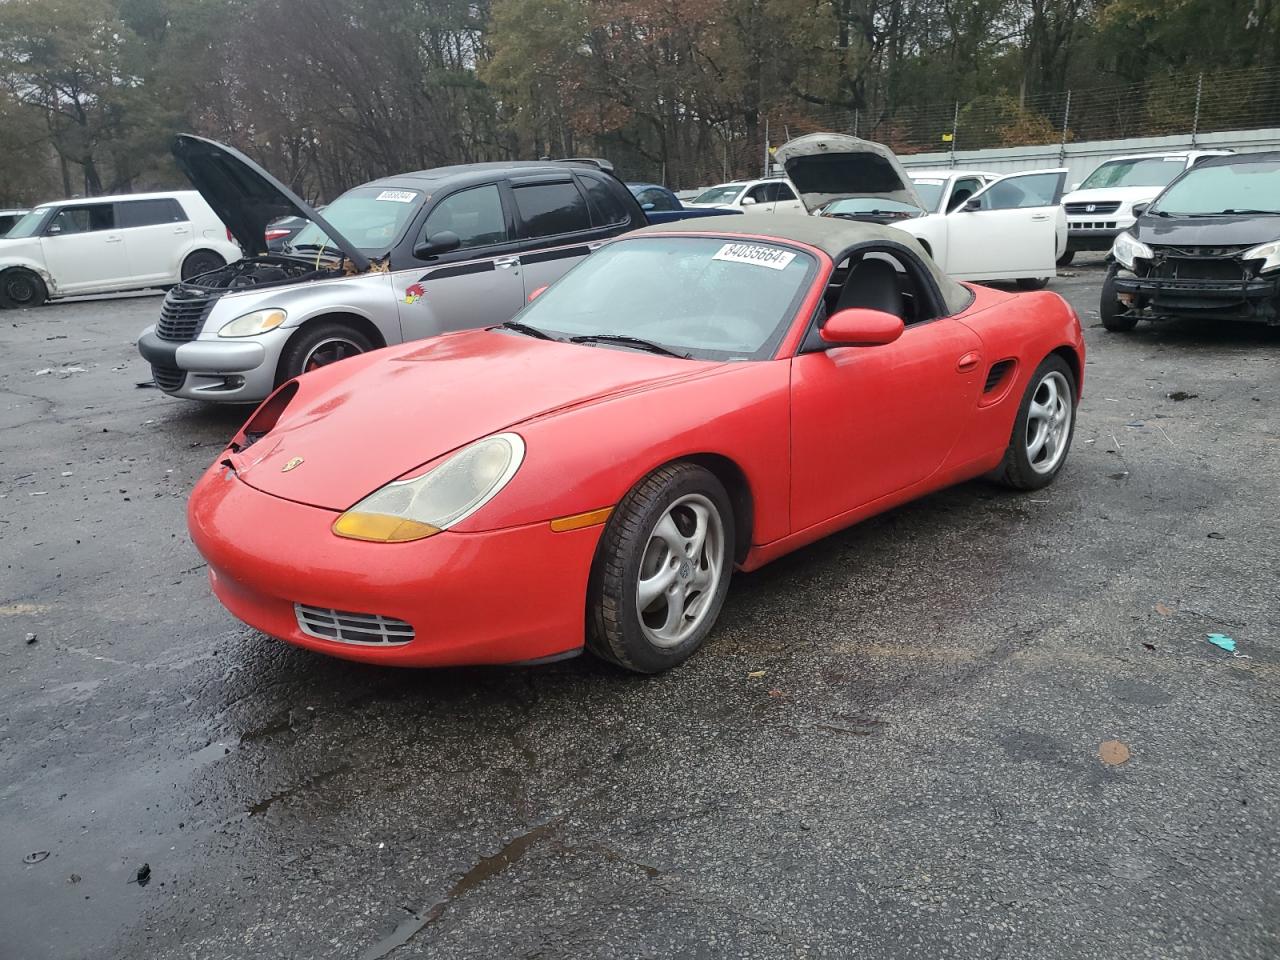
{"type": "Point", "coordinates": [156, 233]}
{"type": "Point", "coordinates": [557, 227]}
{"type": "Point", "coordinates": [475, 285]}
{"type": "Point", "coordinates": [785, 199]}
{"type": "Point", "coordinates": [869, 421]}
{"type": "Point", "coordinates": [83, 249]}
{"type": "Point", "coordinates": [1008, 229]}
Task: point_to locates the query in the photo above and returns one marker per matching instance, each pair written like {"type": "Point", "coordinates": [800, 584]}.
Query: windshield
{"type": "Point", "coordinates": [1141, 172]}
{"type": "Point", "coordinates": [725, 194]}
{"type": "Point", "coordinates": [871, 205]}
{"type": "Point", "coordinates": [929, 192]}
{"type": "Point", "coordinates": [28, 225]}
{"type": "Point", "coordinates": [711, 298]}
{"type": "Point", "coordinates": [372, 218]}
{"type": "Point", "coordinates": [1242, 187]}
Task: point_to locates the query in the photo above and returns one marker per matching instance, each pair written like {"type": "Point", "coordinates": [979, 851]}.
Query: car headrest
{"type": "Point", "coordinates": [873, 285]}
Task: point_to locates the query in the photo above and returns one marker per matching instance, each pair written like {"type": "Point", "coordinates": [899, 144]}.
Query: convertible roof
{"type": "Point", "coordinates": [837, 238]}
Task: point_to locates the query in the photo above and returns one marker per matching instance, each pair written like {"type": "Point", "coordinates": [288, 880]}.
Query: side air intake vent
{"type": "Point", "coordinates": [996, 375]}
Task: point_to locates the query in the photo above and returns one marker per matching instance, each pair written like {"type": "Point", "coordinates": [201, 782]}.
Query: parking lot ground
{"type": "Point", "coordinates": [890, 747]}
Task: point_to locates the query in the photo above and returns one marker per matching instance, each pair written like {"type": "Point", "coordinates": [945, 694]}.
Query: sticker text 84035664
{"type": "Point", "coordinates": [755, 254]}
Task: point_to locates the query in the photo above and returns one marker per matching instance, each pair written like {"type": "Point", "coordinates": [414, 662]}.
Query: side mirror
{"type": "Point", "coordinates": [1074, 187]}
{"type": "Point", "coordinates": [1140, 208]}
{"type": "Point", "coordinates": [971, 205]}
{"type": "Point", "coordinates": [748, 201]}
{"type": "Point", "coordinates": [53, 230]}
{"type": "Point", "coordinates": [648, 206]}
{"type": "Point", "coordinates": [538, 292]}
{"type": "Point", "coordinates": [436, 244]}
{"type": "Point", "coordinates": [861, 327]}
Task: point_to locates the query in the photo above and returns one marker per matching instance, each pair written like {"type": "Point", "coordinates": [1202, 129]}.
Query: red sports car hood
{"type": "Point", "coordinates": [356, 426]}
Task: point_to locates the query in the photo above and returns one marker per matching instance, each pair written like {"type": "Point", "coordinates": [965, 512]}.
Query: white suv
{"type": "Point", "coordinates": [773, 195]}
{"type": "Point", "coordinates": [1102, 206]}
{"type": "Point", "coordinates": [108, 244]}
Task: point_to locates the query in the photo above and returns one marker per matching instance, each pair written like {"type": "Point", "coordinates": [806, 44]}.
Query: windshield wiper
{"type": "Point", "coordinates": [625, 341]}
{"type": "Point", "coordinates": [527, 330]}
{"type": "Point", "coordinates": [1246, 210]}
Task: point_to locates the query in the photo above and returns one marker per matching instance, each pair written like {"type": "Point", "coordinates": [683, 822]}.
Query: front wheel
{"type": "Point", "coordinates": [1115, 315]}
{"type": "Point", "coordinates": [662, 570]}
{"type": "Point", "coordinates": [318, 345]}
{"type": "Point", "coordinates": [1066, 258]}
{"type": "Point", "coordinates": [21, 288]}
{"type": "Point", "coordinates": [1033, 283]}
{"type": "Point", "coordinates": [1044, 427]}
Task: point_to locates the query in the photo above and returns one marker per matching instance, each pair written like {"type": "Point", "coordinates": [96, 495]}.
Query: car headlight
{"type": "Point", "coordinates": [1127, 248]}
{"type": "Point", "coordinates": [252, 324]}
{"type": "Point", "coordinates": [1268, 253]}
{"type": "Point", "coordinates": [423, 506]}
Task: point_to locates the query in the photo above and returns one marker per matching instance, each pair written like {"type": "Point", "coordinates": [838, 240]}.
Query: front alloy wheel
{"type": "Point", "coordinates": [662, 570]}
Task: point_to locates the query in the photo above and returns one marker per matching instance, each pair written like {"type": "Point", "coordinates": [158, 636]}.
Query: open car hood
{"type": "Point", "coordinates": [245, 197]}
{"type": "Point", "coordinates": [836, 166]}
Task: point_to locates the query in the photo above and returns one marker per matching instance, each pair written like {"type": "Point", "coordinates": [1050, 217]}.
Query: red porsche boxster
{"type": "Point", "coordinates": [689, 399]}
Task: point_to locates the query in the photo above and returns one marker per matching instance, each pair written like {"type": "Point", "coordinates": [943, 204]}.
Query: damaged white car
{"type": "Point", "coordinates": [992, 228]}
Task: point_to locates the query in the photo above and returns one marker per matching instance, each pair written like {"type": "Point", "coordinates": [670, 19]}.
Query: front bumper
{"type": "Point", "coordinates": [504, 596]}
{"type": "Point", "coordinates": [1257, 298]}
{"type": "Point", "coordinates": [236, 371]}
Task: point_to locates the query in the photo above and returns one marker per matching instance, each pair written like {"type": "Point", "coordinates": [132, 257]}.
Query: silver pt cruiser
{"type": "Point", "coordinates": [397, 259]}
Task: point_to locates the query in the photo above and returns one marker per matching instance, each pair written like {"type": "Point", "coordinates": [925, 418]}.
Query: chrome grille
{"type": "Point", "coordinates": [341, 626]}
{"type": "Point", "coordinates": [168, 378]}
{"type": "Point", "coordinates": [1076, 209]}
{"type": "Point", "coordinates": [183, 313]}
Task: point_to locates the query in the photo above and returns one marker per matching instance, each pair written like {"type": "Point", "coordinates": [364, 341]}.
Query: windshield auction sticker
{"type": "Point", "coordinates": [755, 254]}
{"type": "Point", "coordinates": [397, 196]}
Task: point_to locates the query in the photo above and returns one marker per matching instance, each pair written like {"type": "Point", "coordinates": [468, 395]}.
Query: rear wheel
{"type": "Point", "coordinates": [1114, 314]}
{"type": "Point", "coordinates": [21, 288]}
{"type": "Point", "coordinates": [1066, 258]}
{"type": "Point", "coordinates": [1044, 427]}
{"type": "Point", "coordinates": [200, 262]}
{"type": "Point", "coordinates": [1033, 283]}
{"type": "Point", "coordinates": [318, 345]}
{"type": "Point", "coordinates": [662, 570]}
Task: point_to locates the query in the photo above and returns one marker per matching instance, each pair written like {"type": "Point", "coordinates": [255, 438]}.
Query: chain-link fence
{"type": "Point", "coordinates": [1182, 105]}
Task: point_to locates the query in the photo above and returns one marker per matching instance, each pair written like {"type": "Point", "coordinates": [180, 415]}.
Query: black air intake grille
{"type": "Point", "coordinates": [1077, 209]}
{"type": "Point", "coordinates": [167, 378]}
{"type": "Point", "coordinates": [996, 374]}
{"type": "Point", "coordinates": [183, 314]}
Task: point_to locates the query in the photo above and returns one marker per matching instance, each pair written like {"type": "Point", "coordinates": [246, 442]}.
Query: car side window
{"type": "Point", "coordinates": [782, 191]}
{"type": "Point", "coordinates": [475, 215]}
{"type": "Point", "coordinates": [82, 219]}
{"type": "Point", "coordinates": [606, 209]}
{"type": "Point", "coordinates": [548, 209]}
{"type": "Point", "coordinates": [963, 189]}
{"type": "Point", "coordinates": [149, 213]}
{"type": "Point", "coordinates": [660, 199]}
{"type": "Point", "coordinates": [761, 193]}
{"type": "Point", "coordinates": [1035, 190]}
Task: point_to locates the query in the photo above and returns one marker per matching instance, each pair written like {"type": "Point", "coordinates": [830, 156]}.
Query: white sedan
{"type": "Point", "coordinates": [975, 225]}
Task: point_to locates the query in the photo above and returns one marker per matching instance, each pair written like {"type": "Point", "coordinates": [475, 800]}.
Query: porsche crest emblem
{"type": "Point", "coordinates": [291, 465]}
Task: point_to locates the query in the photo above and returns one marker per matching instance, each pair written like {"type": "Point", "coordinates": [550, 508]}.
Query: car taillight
{"type": "Point", "coordinates": [276, 234]}
{"type": "Point", "coordinates": [230, 238]}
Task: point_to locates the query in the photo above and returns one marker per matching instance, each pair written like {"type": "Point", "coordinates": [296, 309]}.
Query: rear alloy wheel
{"type": "Point", "coordinates": [662, 570]}
{"type": "Point", "coordinates": [1114, 314]}
{"type": "Point", "coordinates": [1044, 427]}
{"type": "Point", "coordinates": [21, 288]}
{"type": "Point", "coordinates": [199, 263]}
{"type": "Point", "coordinates": [318, 345]}
{"type": "Point", "coordinates": [1033, 283]}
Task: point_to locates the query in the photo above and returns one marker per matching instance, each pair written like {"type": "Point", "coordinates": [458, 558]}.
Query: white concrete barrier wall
{"type": "Point", "coordinates": [1082, 158]}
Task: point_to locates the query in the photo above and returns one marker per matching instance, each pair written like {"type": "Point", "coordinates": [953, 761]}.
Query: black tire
{"type": "Point", "coordinates": [20, 288]}
{"type": "Point", "coordinates": [1017, 470]}
{"type": "Point", "coordinates": [615, 630]}
{"type": "Point", "coordinates": [1033, 283]}
{"type": "Point", "coordinates": [306, 349]}
{"type": "Point", "coordinates": [1110, 309]}
{"type": "Point", "coordinates": [200, 262]}
{"type": "Point", "coordinates": [1066, 258]}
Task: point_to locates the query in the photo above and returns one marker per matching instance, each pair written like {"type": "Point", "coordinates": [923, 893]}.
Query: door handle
{"type": "Point", "coordinates": [505, 262]}
{"type": "Point", "coordinates": [111, 240]}
{"type": "Point", "coordinates": [595, 245]}
{"type": "Point", "coordinates": [968, 363]}
{"type": "Point", "coordinates": [1039, 216]}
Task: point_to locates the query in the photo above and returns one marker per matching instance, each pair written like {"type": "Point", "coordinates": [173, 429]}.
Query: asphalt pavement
{"type": "Point", "coordinates": [902, 742]}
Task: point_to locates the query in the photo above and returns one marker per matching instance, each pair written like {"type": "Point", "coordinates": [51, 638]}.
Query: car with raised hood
{"type": "Point", "coordinates": [1003, 228]}
{"type": "Point", "coordinates": [1208, 246]}
{"type": "Point", "coordinates": [769, 195]}
{"type": "Point", "coordinates": [590, 473]}
{"type": "Point", "coordinates": [1102, 206]}
{"type": "Point", "coordinates": [134, 241]}
{"type": "Point", "coordinates": [397, 259]}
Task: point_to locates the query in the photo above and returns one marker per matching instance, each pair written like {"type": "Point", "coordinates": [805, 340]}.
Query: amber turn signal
{"type": "Point", "coordinates": [580, 520]}
{"type": "Point", "coordinates": [381, 528]}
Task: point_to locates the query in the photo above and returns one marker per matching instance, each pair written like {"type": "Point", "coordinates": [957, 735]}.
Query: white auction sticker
{"type": "Point", "coordinates": [927, 182]}
{"type": "Point", "coordinates": [397, 196]}
{"type": "Point", "coordinates": [761, 256]}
